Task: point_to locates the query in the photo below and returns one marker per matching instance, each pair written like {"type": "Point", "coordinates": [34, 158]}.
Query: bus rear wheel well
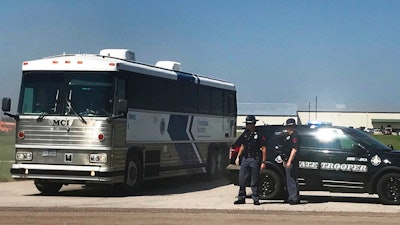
{"type": "Point", "coordinates": [217, 160]}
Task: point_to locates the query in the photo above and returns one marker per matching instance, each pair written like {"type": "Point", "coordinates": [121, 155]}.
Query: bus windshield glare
{"type": "Point", "coordinates": [60, 93]}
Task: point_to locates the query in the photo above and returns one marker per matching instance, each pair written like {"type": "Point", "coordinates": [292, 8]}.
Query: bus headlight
{"type": "Point", "coordinates": [98, 158]}
{"type": "Point", "coordinates": [23, 156]}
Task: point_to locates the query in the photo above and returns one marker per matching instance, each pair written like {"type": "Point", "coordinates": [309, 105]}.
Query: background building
{"type": "Point", "coordinates": [277, 113]}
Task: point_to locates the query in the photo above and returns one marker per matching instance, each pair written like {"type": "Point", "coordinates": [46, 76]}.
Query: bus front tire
{"type": "Point", "coordinates": [46, 187]}
{"type": "Point", "coordinates": [133, 176]}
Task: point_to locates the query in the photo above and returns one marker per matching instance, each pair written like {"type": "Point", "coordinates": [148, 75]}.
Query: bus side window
{"type": "Point", "coordinates": [204, 100]}
{"type": "Point", "coordinates": [120, 92]}
{"type": "Point", "coordinates": [121, 87]}
{"type": "Point", "coordinates": [217, 102]}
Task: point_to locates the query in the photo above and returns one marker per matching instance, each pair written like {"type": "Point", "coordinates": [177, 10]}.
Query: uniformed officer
{"type": "Point", "coordinates": [251, 142]}
{"type": "Point", "coordinates": [291, 147]}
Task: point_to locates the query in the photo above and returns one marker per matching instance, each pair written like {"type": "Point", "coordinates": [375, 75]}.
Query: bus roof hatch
{"type": "Point", "coordinates": [119, 53]}
{"type": "Point", "coordinates": [170, 65]}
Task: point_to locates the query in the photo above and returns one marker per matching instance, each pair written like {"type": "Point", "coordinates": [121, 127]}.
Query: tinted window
{"type": "Point", "coordinates": [217, 102]}
{"type": "Point", "coordinates": [40, 93]}
{"type": "Point", "coordinates": [327, 138]}
{"type": "Point", "coordinates": [204, 99]}
{"type": "Point", "coordinates": [90, 95]}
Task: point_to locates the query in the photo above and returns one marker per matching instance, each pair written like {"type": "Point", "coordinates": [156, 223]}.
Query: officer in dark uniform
{"type": "Point", "coordinates": [253, 152]}
{"type": "Point", "coordinates": [290, 147]}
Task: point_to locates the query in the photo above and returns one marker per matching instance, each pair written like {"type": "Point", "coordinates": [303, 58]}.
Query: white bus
{"type": "Point", "coordinates": [107, 119]}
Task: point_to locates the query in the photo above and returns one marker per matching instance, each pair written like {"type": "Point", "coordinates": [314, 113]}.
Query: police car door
{"type": "Point", "coordinates": [341, 166]}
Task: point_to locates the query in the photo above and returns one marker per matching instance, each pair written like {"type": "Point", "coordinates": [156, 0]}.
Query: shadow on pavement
{"type": "Point", "coordinates": [310, 199]}
{"type": "Point", "coordinates": [330, 197]}
{"type": "Point", "coordinates": [165, 186]}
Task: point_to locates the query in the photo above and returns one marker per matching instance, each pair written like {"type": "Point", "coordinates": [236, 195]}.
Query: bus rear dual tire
{"type": "Point", "coordinates": [216, 163]}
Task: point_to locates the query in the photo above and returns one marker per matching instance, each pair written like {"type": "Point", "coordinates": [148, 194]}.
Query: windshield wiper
{"type": "Point", "coordinates": [70, 108]}
{"type": "Point", "coordinates": [41, 116]}
{"type": "Point", "coordinates": [54, 109]}
{"type": "Point", "coordinates": [55, 102]}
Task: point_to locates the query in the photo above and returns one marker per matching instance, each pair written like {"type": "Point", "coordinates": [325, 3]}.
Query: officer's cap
{"type": "Point", "coordinates": [250, 119]}
{"type": "Point", "coordinates": [290, 122]}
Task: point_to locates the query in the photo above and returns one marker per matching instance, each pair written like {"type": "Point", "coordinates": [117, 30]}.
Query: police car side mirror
{"type": "Point", "coordinates": [390, 146]}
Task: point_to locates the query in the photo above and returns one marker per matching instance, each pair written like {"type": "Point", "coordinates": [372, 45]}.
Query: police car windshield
{"type": "Point", "coordinates": [366, 140]}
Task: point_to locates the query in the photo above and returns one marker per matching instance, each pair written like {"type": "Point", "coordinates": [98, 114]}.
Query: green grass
{"type": "Point", "coordinates": [389, 139]}
{"type": "Point", "coordinates": [6, 156]}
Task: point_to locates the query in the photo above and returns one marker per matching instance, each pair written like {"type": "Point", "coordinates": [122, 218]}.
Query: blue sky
{"type": "Point", "coordinates": [344, 52]}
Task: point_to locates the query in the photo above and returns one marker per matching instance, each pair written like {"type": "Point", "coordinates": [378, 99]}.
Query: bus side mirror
{"type": "Point", "coordinates": [122, 106]}
{"type": "Point", "coordinates": [6, 104]}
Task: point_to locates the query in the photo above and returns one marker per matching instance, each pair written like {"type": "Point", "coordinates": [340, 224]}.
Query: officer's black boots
{"type": "Point", "coordinates": [242, 201]}
{"type": "Point", "coordinates": [294, 202]}
{"type": "Point", "coordinates": [239, 201]}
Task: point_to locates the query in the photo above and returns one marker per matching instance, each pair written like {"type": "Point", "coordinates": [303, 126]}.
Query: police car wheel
{"type": "Point", "coordinates": [270, 185]}
{"type": "Point", "coordinates": [388, 189]}
{"type": "Point", "coordinates": [46, 187]}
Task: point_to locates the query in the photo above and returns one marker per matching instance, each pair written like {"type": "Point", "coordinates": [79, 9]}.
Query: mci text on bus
{"type": "Point", "coordinates": [107, 119]}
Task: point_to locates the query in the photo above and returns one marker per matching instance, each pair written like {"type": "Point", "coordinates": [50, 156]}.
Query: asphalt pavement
{"type": "Point", "coordinates": [183, 193]}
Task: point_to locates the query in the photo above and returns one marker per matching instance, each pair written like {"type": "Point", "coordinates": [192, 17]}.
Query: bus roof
{"type": "Point", "coordinates": [117, 60]}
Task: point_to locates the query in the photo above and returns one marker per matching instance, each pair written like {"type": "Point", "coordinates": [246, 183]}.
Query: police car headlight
{"type": "Point", "coordinates": [23, 156]}
{"type": "Point", "coordinates": [98, 158]}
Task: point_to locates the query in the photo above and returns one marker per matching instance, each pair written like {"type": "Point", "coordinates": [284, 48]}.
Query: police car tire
{"type": "Point", "coordinates": [270, 185]}
{"type": "Point", "coordinates": [388, 188]}
{"type": "Point", "coordinates": [46, 187]}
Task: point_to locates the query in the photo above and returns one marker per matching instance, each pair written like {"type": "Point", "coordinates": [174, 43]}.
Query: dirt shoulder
{"type": "Point", "coordinates": [89, 216]}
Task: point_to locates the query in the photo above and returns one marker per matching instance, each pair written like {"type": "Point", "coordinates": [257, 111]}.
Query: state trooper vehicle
{"type": "Point", "coordinates": [335, 159]}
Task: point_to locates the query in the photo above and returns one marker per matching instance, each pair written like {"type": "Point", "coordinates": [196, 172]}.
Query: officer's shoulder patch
{"type": "Point", "coordinates": [263, 138]}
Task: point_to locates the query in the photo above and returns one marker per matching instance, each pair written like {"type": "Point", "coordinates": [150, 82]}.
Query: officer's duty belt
{"type": "Point", "coordinates": [250, 155]}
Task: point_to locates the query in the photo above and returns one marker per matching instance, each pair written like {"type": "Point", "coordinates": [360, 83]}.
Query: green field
{"type": "Point", "coordinates": [7, 152]}
{"type": "Point", "coordinates": [6, 156]}
{"type": "Point", "coordinates": [389, 139]}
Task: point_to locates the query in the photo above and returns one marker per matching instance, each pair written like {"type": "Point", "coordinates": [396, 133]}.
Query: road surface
{"type": "Point", "coordinates": [187, 200]}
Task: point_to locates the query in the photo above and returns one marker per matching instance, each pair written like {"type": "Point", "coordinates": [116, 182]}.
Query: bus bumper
{"type": "Point", "coordinates": [67, 173]}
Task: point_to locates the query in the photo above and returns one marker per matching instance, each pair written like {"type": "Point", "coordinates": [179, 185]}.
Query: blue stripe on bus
{"type": "Point", "coordinates": [177, 127]}
{"type": "Point", "coordinates": [191, 137]}
{"type": "Point", "coordinates": [177, 131]}
{"type": "Point", "coordinates": [186, 153]}
{"type": "Point", "coordinates": [186, 77]}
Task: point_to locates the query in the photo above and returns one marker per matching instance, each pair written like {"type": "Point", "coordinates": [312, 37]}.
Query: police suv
{"type": "Point", "coordinates": [335, 159]}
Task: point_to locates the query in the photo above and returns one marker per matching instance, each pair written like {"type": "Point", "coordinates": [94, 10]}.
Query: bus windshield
{"type": "Point", "coordinates": [66, 93]}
